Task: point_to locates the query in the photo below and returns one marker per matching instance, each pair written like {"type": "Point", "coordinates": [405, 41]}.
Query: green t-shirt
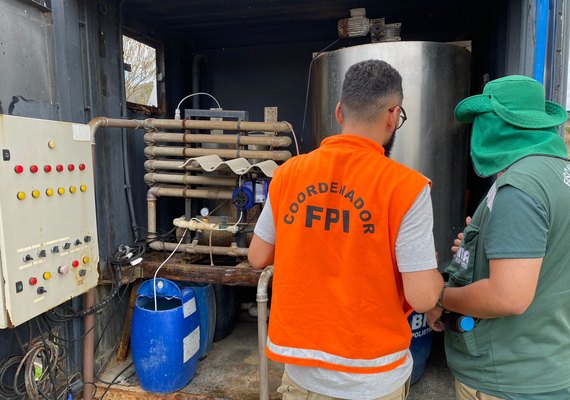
{"type": "Point", "coordinates": [506, 239]}
{"type": "Point", "coordinates": [525, 215]}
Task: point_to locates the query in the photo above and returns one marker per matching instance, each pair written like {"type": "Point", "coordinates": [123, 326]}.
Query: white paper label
{"type": "Point", "coordinates": [191, 344]}
{"type": "Point", "coordinates": [81, 133]}
{"type": "Point", "coordinates": [189, 307]}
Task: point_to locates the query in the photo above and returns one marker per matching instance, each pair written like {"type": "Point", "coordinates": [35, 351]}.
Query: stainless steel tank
{"type": "Point", "coordinates": [435, 78]}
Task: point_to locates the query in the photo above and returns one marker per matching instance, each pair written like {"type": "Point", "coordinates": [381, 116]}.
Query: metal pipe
{"type": "Point", "coordinates": [192, 248]}
{"type": "Point", "coordinates": [195, 225]}
{"type": "Point", "coordinates": [275, 141]}
{"type": "Point", "coordinates": [154, 124]}
{"type": "Point", "coordinates": [151, 178]}
{"type": "Point", "coordinates": [154, 151]}
{"type": "Point", "coordinates": [151, 213]}
{"type": "Point", "coordinates": [191, 193]}
{"type": "Point", "coordinates": [89, 347]}
{"type": "Point", "coordinates": [262, 299]}
{"type": "Point", "coordinates": [151, 165]}
{"type": "Point", "coordinates": [196, 79]}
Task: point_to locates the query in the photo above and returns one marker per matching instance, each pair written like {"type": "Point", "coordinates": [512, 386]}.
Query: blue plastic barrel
{"type": "Point", "coordinates": [421, 343]}
{"type": "Point", "coordinates": [206, 302]}
{"type": "Point", "coordinates": [165, 342]}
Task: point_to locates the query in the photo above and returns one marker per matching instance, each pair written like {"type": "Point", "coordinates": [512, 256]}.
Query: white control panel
{"type": "Point", "coordinates": [48, 229]}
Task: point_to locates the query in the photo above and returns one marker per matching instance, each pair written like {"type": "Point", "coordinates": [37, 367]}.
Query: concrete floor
{"type": "Point", "coordinates": [230, 371]}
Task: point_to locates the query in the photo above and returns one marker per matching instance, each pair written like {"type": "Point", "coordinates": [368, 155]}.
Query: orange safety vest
{"type": "Point", "coordinates": [338, 300]}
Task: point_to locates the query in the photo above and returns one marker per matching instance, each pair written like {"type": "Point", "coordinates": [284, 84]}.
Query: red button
{"type": "Point", "coordinates": [59, 168]}
{"type": "Point", "coordinates": [33, 281]}
{"type": "Point", "coordinates": [19, 169]}
{"type": "Point", "coordinates": [82, 167]}
{"type": "Point", "coordinates": [47, 168]}
{"type": "Point", "coordinates": [75, 264]}
{"type": "Point", "coordinates": [71, 167]}
{"type": "Point", "coordinates": [33, 169]}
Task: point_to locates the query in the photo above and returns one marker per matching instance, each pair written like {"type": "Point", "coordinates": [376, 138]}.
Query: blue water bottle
{"type": "Point", "coordinates": [457, 322]}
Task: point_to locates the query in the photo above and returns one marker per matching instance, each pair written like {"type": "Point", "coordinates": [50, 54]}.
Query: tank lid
{"type": "Point", "coordinates": [164, 288]}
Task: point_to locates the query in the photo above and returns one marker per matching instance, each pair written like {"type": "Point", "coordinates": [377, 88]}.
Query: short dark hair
{"type": "Point", "coordinates": [366, 88]}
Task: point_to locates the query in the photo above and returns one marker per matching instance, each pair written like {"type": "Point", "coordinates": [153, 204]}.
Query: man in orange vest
{"type": "Point", "coordinates": [349, 232]}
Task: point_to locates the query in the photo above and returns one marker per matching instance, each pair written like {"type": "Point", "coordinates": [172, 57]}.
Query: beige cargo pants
{"type": "Point", "coordinates": [291, 391]}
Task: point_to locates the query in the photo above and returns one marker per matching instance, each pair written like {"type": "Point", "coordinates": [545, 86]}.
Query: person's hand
{"type": "Point", "coordinates": [434, 322]}
{"type": "Point", "coordinates": [457, 242]}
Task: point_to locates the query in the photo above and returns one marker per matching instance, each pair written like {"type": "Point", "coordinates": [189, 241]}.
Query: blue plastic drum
{"type": "Point", "coordinates": [165, 341]}
{"type": "Point", "coordinates": [421, 343]}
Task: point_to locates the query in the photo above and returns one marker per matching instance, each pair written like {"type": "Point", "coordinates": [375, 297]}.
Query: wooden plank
{"type": "Point", "coordinates": [123, 348]}
{"type": "Point", "coordinates": [177, 269]}
{"type": "Point", "coordinates": [136, 393]}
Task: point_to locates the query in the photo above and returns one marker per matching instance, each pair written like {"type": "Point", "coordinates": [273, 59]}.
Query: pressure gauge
{"type": "Point", "coordinates": [204, 212]}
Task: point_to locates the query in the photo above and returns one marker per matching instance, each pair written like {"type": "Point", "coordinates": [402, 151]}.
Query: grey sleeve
{"type": "Point", "coordinates": [265, 227]}
{"type": "Point", "coordinates": [518, 226]}
{"type": "Point", "coordinates": [415, 250]}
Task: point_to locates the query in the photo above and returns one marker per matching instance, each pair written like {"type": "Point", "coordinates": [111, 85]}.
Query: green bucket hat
{"type": "Point", "coordinates": [511, 120]}
{"type": "Point", "coordinates": [518, 100]}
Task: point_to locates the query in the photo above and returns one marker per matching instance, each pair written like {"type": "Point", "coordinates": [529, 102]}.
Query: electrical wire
{"type": "Point", "coordinates": [294, 136]}
{"type": "Point", "coordinates": [309, 85]}
{"type": "Point", "coordinates": [177, 111]}
{"type": "Point", "coordinates": [161, 265]}
{"type": "Point", "coordinates": [113, 381]}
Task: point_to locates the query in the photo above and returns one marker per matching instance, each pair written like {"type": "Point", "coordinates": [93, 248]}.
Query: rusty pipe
{"type": "Point", "coordinates": [262, 297]}
{"type": "Point", "coordinates": [151, 165]}
{"type": "Point", "coordinates": [275, 141]}
{"type": "Point", "coordinates": [232, 251]}
{"type": "Point", "coordinates": [211, 194]}
{"type": "Point", "coordinates": [89, 347]}
{"type": "Point", "coordinates": [152, 178]}
{"type": "Point", "coordinates": [160, 151]}
{"type": "Point", "coordinates": [155, 124]}
{"type": "Point", "coordinates": [151, 213]}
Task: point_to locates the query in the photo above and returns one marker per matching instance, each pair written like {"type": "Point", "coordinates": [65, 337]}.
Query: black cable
{"type": "Point", "coordinates": [114, 380]}
{"type": "Point", "coordinates": [309, 85]}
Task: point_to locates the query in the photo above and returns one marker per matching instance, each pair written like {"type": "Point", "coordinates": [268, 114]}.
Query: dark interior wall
{"type": "Point", "coordinates": [63, 64]}
{"type": "Point", "coordinates": [251, 78]}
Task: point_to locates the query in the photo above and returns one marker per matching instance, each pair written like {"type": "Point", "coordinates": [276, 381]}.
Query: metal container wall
{"type": "Point", "coordinates": [435, 78]}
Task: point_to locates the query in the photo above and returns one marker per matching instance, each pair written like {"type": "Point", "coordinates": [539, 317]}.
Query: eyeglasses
{"type": "Point", "coordinates": [403, 116]}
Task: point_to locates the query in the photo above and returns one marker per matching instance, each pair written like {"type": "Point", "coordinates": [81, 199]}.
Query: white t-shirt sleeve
{"type": "Point", "coordinates": [415, 250]}
{"type": "Point", "coordinates": [265, 227]}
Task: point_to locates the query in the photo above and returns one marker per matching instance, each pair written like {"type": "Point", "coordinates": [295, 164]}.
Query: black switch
{"type": "Point", "coordinates": [77, 242]}
{"type": "Point", "coordinates": [19, 286]}
{"type": "Point", "coordinates": [41, 253]}
{"type": "Point", "coordinates": [28, 257]}
{"type": "Point", "coordinates": [55, 249]}
{"type": "Point", "coordinates": [82, 272]}
{"type": "Point", "coordinates": [41, 290]}
{"type": "Point", "coordinates": [66, 246]}
{"type": "Point", "coordinates": [87, 239]}
{"type": "Point", "coordinates": [6, 154]}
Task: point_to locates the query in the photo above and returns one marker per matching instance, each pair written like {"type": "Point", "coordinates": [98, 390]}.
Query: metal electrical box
{"type": "Point", "coordinates": [48, 230]}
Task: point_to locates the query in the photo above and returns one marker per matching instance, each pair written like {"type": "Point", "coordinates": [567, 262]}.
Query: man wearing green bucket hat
{"type": "Point", "coordinates": [511, 269]}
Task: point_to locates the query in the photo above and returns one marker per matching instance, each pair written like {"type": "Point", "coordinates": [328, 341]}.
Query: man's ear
{"type": "Point", "coordinates": [338, 113]}
{"type": "Point", "coordinates": [392, 120]}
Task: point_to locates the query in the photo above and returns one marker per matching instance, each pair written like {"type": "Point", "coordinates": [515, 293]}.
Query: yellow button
{"type": "Point", "coordinates": [72, 189]}
{"type": "Point", "coordinates": [83, 188]}
{"type": "Point", "coordinates": [61, 190]}
{"type": "Point", "coordinates": [51, 144]}
{"type": "Point", "coordinates": [49, 192]}
{"type": "Point", "coordinates": [35, 194]}
{"type": "Point", "coordinates": [85, 260]}
{"type": "Point", "coordinates": [21, 195]}
{"type": "Point", "coordinates": [47, 275]}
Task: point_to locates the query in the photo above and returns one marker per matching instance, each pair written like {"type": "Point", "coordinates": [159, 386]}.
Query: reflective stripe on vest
{"type": "Point", "coordinates": [321, 358]}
